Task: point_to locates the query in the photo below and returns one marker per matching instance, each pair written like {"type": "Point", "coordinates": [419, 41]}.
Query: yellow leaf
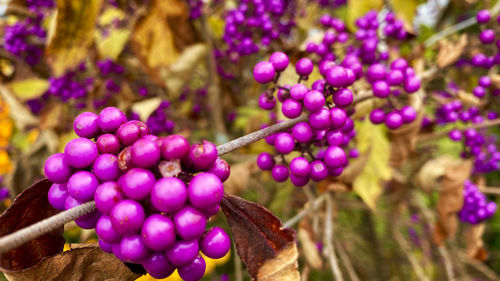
{"type": "Point", "coordinates": [153, 39]}
{"type": "Point", "coordinates": [109, 15]}
{"type": "Point", "coordinates": [216, 24]}
{"type": "Point", "coordinates": [30, 88]}
{"type": "Point", "coordinates": [358, 8]}
{"type": "Point", "coordinates": [112, 45]}
{"type": "Point", "coordinates": [146, 107]}
{"type": "Point", "coordinates": [73, 33]}
{"type": "Point", "coordinates": [405, 10]}
{"type": "Point", "coordinates": [373, 142]}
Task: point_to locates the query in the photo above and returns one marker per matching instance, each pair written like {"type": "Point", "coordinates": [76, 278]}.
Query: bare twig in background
{"type": "Point", "coordinates": [447, 262]}
{"type": "Point", "coordinates": [330, 249]}
{"type": "Point", "coordinates": [315, 204]}
{"type": "Point", "coordinates": [346, 261]}
{"type": "Point", "coordinates": [432, 136]}
{"type": "Point", "coordinates": [479, 266]}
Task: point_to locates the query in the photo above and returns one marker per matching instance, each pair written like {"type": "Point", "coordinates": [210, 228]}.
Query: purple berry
{"type": "Point", "coordinates": [183, 252]}
{"type": "Point", "coordinates": [158, 265]}
{"type": "Point", "coordinates": [108, 143]}
{"type": "Point", "coordinates": [82, 186]}
{"type": "Point", "coordinates": [158, 232]}
{"type": "Point", "coordinates": [57, 196]}
{"type": "Point", "coordinates": [173, 147]}
{"type": "Point", "coordinates": [280, 173]}
{"type": "Point", "coordinates": [337, 76]}
{"type": "Point", "coordinates": [314, 101]}
{"type": "Point", "coordinates": [106, 196]}
{"type": "Point", "coordinates": [169, 195]}
{"type": "Point", "coordinates": [137, 183]}
{"type": "Point", "coordinates": [193, 271]}
{"type": "Point", "coordinates": [299, 166]}
{"type": "Point", "coordinates": [265, 161]}
{"type": "Point", "coordinates": [343, 98]}
{"type": "Point", "coordinates": [130, 132]}
{"type": "Point", "coordinates": [279, 60]}
{"type": "Point", "coordinates": [298, 92]}
{"type": "Point", "coordinates": [264, 72]}
{"type": "Point", "coordinates": [202, 155]}
{"type": "Point", "coordinates": [127, 217]}
{"type": "Point", "coordinates": [393, 120]}
{"type": "Point", "coordinates": [145, 153]}
{"type": "Point", "coordinates": [408, 114]}
{"type": "Point", "coordinates": [304, 67]}
{"type": "Point", "coordinates": [189, 223]}
{"type": "Point", "coordinates": [215, 243]}
{"type": "Point", "coordinates": [80, 153]}
{"type": "Point", "coordinates": [56, 168]}
{"type": "Point", "coordinates": [483, 16]}
{"type": "Point", "coordinates": [335, 157]}
{"type": "Point", "coordinates": [86, 125]}
{"type": "Point", "coordinates": [284, 143]}
{"type": "Point", "coordinates": [110, 119]}
{"type": "Point", "coordinates": [319, 171]}
{"type": "Point", "coordinates": [338, 117]}
{"type": "Point", "coordinates": [266, 102]}
{"type": "Point", "coordinates": [291, 108]}
{"type": "Point", "coordinates": [205, 190]}
{"type": "Point", "coordinates": [221, 169]}
{"type": "Point", "coordinates": [320, 120]}
{"type": "Point", "coordinates": [302, 132]}
{"type": "Point", "coordinates": [105, 231]}
{"type": "Point", "coordinates": [106, 167]}
{"type": "Point", "coordinates": [133, 249]}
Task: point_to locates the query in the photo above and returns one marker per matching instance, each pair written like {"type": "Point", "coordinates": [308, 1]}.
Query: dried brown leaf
{"type": "Point", "coordinates": [73, 33]}
{"type": "Point", "coordinates": [474, 241]}
{"type": "Point", "coordinates": [30, 207]}
{"type": "Point", "coordinates": [430, 175]}
{"type": "Point", "coordinates": [404, 140]}
{"type": "Point", "coordinates": [85, 262]}
{"type": "Point", "coordinates": [240, 176]}
{"type": "Point", "coordinates": [268, 250]}
{"type": "Point", "coordinates": [308, 244]}
{"type": "Point", "coordinates": [450, 200]}
{"type": "Point", "coordinates": [18, 111]}
{"type": "Point", "coordinates": [449, 51]}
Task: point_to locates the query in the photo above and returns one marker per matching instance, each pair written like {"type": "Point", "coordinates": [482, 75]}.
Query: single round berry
{"type": "Point", "coordinates": [108, 143]}
{"type": "Point", "coordinates": [314, 101]}
{"type": "Point", "coordinates": [291, 108]}
{"type": "Point", "coordinates": [158, 232]}
{"type": "Point", "coordinates": [80, 153]}
{"type": "Point", "coordinates": [264, 72]}
{"type": "Point", "coordinates": [298, 92]}
{"type": "Point", "coordinates": [376, 72]}
{"type": "Point", "coordinates": [412, 84]}
{"type": "Point", "coordinates": [56, 168]}
{"type": "Point", "coordinates": [304, 67]}
{"type": "Point", "coordinates": [280, 173]}
{"type": "Point", "coordinates": [337, 76]}
{"type": "Point", "coordinates": [299, 166]}
{"type": "Point", "coordinates": [483, 16]}
{"type": "Point", "coordinates": [399, 64]}
{"type": "Point", "coordinates": [189, 223]}
{"type": "Point", "coordinates": [319, 171]}
{"type": "Point", "coordinates": [334, 137]}
{"type": "Point", "coordinates": [145, 153]}
{"type": "Point", "coordinates": [205, 190]}
{"type": "Point", "coordinates": [221, 169]}
{"type": "Point", "coordinates": [169, 195]}
{"type": "Point", "coordinates": [215, 243]}
{"type": "Point", "coordinates": [174, 147]}
{"type": "Point", "coordinates": [408, 114]}
{"type": "Point", "coordinates": [110, 119]}
{"type": "Point", "coordinates": [343, 98]}
{"type": "Point", "coordinates": [106, 196]}
{"type": "Point", "coordinates": [284, 143]}
{"type": "Point", "coordinates": [302, 132]}
{"type": "Point", "coordinates": [393, 120]}
{"type": "Point", "coordinates": [137, 183]}
{"type": "Point", "coordinates": [381, 89]}
{"type": "Point", "coordinates": [86, 125]}
{"type": "Point", "coordinates": [106, 167]}
{"type": "Point", "coordinates": [455, 135]}
{"type": "Point", "coordinates": [298, 181]}
{"type": "Point", "coordinates": [279, 60]}
{"type": "Point", "coordinates": [335, 157]}
{"type": "Point", "coordinates": [105, 231]}
{"type": "Point", "coordinates": [338, 117]}
{"type": "Point", "coordinates": [202, 155]}
{"type": "Point", "coordinates": [193, 271]}
{"type": "Point", "coordinates": [183, 252]}
{"type": "Point", "coordinates": [57, 196]}
{"type": "Point", "coordinates": [320, 120]}
{"type": "Point", "coordinates": [127, 217]}
{"type": "Point", "coordinates": [266, 102]}
{"type": "Point", "coordinates": [106, 247]}
{"type": "Point", "coordinates": [82, 186]}
{"type": "Point", "coordinates": [130, 132]}
{"type": "Point", "coordinates": [395, 77]}
{"type": "Point", "coordinates": [158, 265]}
{"type": "Point", "coordinates": [133, 249]}
{"type": "Point", "coordinates": [487, 36]}
{"type": "Point", "coordinates": [377, 116]}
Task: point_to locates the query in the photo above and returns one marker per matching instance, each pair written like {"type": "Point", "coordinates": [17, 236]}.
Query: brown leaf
{"type": "Point", "coordinates": [449, 52]}
{"type": "Point", "coordinates": [474, 241]}
{"type": "Point", "coordinates": [240, 175]}
{"type": "Point", "coordinates": [308, 244]}
{"type": "Point", "coordinates": [30, 207]}
{"type": "Point", "coordinates": [73, 33]}
{"type": "Point", "coordinates": [261, 241]}
{"type": "Point", "coordinates": [451, 200]}
{"type": "Point", "coordinates": [404, 140]}
{"type": "Point", "coordinates": [430, 175]}
{"type": "Point", "coordinates": [154, 36]}
{"type": "Point", "coordinates": [85, 263]}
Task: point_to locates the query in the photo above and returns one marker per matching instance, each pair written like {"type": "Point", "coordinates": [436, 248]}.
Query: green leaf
{"type": "Point", "coordinates": [405, 10]}
{"type": "Point", "coordinates": [73, 33]}
{"type": "Point", "coordinates": [30, 88]}
{"type": "Point", "coordinates": [373, 142]}
{"type": "Point", "coordinates": [358, 8]}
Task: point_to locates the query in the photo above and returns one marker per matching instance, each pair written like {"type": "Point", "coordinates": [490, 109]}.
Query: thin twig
{"type": "Point", "coordinates": [491, 190]}
{"type": "Point", "coordinates": [258, 135]}
{"type": "Point", "coordinates": [18, 238]}
{"type": "Point", "coordinates": [432, 136]}
{"type": "Point", "coordinates": [332, 258]}
{"type": "Point", "coordinates": [447, 262]}
{"type": "Point", "coordinates": [346, 261]}
{"type": "Point", "coordinates": [457, 27]}
{"type": "Point", "coordinates": [238, 272]}
{"type": "Point", "coordinates": [315, 205]}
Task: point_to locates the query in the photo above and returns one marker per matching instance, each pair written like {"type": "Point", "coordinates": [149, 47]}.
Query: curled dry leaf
{"type": "Point", "coordinates": [474, 241]}
{"type": "Point", "coordinates": [240, 176]}
{"type": "Point", "coordinates": [85, 262]}
{"type": "Point", "coordinates": [404, 140]}
{"type": "Point", "coordinates": [430, 175]}
{"type": "Point", "coordinates": [73, 33]}
{"type": "Point", "coordinates": [30, 207]}
{"type": "Point", "coordinates": [450, 200]}
{"type": "Point", "coordinates": [449, 51]}
{"type": "Point", "coordinates": [308, 244]}
{"type": "Point", "coordinates": [18, 111]}
{"type": "Point", "coordinates": [268, 250]}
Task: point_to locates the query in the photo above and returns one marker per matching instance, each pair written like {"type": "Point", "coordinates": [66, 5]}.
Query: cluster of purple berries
{"type": "Point", "coordinates": [391, 82]}
{"type": "Point", "coordinates": [195, 7]}
{"type": "Point", "coordinates": [158, 121]}
{"type": "Point", "coordinates": [24, 39]}
{"type": "Point", "coordinates": [331, 3]}
{"type": "Point", "coordinates": [198, 99]}
{"type": "Point", "coordinates": [328, 129]}
{"type": "Point", "coordinates": [476, 207]}
{"type": "Point", "coordinates": [335, 32]}
{"type": "Point", "coordinates": [394, 27]}
{"type": "Point", "coordinates": [153, 194]}
{"type": "Point", "coordinates": [254, 24]}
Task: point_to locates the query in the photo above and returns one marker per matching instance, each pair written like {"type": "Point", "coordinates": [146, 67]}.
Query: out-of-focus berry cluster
{"type": "Point", "coordinates": [476, 207]}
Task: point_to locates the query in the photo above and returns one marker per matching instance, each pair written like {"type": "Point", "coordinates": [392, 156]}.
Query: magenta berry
{"type": "Point", "coordinates": [205, 190]}
{"type": "Point", "coordinates": [86, 125]}
{"type": "Point", "coordinates": [264, 72]}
